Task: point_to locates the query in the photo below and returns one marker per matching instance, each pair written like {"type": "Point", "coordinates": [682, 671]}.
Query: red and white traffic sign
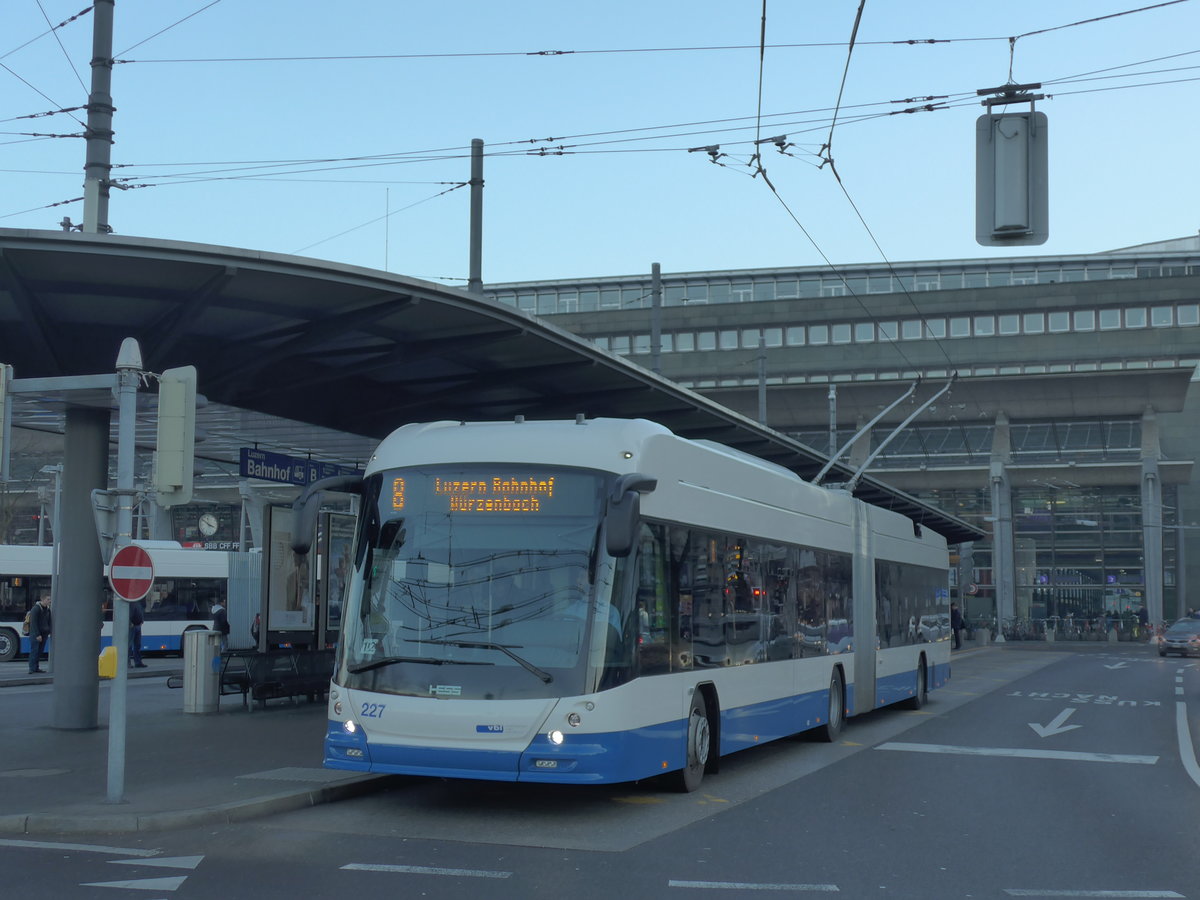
{"type": "Point", "coordinates": [131, 573]}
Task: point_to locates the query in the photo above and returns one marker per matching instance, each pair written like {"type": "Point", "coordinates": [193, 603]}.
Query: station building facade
{"type": "Point", "coordinates": [1068, 432]}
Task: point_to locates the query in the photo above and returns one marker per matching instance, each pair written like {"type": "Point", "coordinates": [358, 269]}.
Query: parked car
{"type": "Point", "coordinates": [1183, 638]}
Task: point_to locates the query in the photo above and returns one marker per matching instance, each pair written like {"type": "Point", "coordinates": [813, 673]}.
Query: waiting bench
{"type": "Point", "coordinates": [276, 674]}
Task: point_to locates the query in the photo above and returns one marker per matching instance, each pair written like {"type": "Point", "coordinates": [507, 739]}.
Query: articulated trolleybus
{"type": "Point", "coordinates": [602, 601]}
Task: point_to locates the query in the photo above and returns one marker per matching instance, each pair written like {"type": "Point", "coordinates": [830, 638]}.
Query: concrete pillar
{"type": "Point", "coordinates": [78, 591]}
{"type": "Point", "coordinates": [861, 448]}
{"type": "Point", "coordinates": [1152, 524]}
{"type": "Point", "coordinates": [1003, 546]}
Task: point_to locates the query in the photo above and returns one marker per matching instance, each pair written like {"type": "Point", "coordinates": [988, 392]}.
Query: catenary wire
{"type": "Point", "coordinates": [66, 55]}
{"type": "Point", "coordinates": [169, 27]}
{"type": "Point", "coordinates": [947, 101]}
{"type": "Point", "coordinates": [38, 37]}
{"type": "Point", "coordinates": [35, 90]}
{"type": "Point", "coordinates": [387, 215]}
{"type": "Point", "coordinates": [617, 50]}
{"type": "Point", "coordinates": [827, 150]}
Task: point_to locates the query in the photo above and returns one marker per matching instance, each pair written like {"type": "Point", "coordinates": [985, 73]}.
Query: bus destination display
{"type": "Point", "coordinates": [477, 494]}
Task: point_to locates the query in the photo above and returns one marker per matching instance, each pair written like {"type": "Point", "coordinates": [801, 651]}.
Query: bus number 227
{"type": "Point", "coordinates": [372, 710]}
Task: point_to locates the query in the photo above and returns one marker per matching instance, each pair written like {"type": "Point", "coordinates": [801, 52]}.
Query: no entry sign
{"type": "Point", "coordinates": [131, 573]}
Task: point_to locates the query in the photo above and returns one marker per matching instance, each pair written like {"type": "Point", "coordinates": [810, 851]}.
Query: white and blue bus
{"type": "Point", "coordinates": [186, 583]}
{"type": "Point", "coordinates": [602, 601]}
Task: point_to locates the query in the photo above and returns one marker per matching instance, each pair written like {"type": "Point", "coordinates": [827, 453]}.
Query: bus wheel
{"type": "Point", "coordinates": [835, 716]}
{"type": "Point", "coordinates": [917, 700]}
{"type": "Point", "coordinates": [699, 744]}
{"type": "Point", "coordinates": [9, 645]}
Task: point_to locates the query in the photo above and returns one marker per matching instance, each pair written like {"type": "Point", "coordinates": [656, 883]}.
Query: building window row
{"type": "Point", "coordinates": [1184, 315]}
{"type": "Point", "coordinates": [963, 372]}
{"type": "Point", "coordinates": [553, 300]}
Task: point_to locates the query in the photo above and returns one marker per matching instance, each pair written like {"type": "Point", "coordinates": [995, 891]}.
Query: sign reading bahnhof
{"type": "Point", "coordinates": [267, 466]}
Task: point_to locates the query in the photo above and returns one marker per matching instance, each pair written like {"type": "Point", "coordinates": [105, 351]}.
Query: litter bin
{"type": "Point", "coordinates": [201, 671]}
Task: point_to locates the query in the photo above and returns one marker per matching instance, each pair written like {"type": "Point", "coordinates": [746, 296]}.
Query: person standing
{"type": "Point", "coordinates": [137, 618]}
{"type": "Point", "coordinates": [956, 625]}
{"type": "Point", "coordinates": [221, 622]}
{"type": "Point", "coordinates": [39, 632]}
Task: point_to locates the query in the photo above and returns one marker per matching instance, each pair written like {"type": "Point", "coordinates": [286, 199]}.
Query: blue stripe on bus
{"type": "Point", "coordinates": [607, 758]}
{"type": "Point", "coordinates": [903, 685]}
{"type": "Point", "coordinates": [164, 643]}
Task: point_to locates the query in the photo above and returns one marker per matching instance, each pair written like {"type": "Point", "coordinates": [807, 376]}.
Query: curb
{"type": "Point", "coordinates": [220, 814]}
{"type": "Point", "coordinates": [24, 681]}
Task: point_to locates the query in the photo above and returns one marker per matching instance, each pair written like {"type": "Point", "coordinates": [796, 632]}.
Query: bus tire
{"type": "Point", "coordinates": [10, 645]}
{"type": "Point", "coordinates": [835, 715]}
{"type": "Point", "coordinates": [699, 745]}
{"type": "Point", "coordinates": [917, 700]}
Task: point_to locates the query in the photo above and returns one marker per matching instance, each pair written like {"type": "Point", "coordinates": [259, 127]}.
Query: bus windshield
{"type": "Point", "coordinates": [473, 581]}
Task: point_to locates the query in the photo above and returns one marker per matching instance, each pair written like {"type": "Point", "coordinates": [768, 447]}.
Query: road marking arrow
{"type": "Point", "coordinates": [1056, 725]}
{"type": "Point", "coordinates": [1119, 665]}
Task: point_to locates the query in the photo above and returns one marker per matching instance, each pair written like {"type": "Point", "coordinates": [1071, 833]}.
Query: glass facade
{"type": "Point", "coordinates": [1079, 554]}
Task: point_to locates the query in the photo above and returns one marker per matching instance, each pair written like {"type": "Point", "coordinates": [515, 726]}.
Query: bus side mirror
{"type": "Point", "coordinates": [308, 504]}
{"type": "Point", "coordinates": [623, 511]}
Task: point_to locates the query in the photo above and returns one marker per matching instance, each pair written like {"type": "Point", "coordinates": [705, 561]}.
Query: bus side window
{"type": "Point", "coordinates": [652, 606]}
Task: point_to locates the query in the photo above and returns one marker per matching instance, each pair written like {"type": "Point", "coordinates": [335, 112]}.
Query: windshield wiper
{"type": "Point", "coordinates": [488, 645]}
{"type": "Point", "coordinates": [427, 660]}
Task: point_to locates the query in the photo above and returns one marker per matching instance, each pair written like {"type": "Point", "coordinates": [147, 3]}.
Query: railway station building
{"type": "Point", "coordinates": [1068, 433]}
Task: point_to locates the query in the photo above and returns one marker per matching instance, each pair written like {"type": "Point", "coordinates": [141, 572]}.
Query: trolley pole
{"type": "Point", "coordinates": [129, 370]}
{"type": "Point", "coordinates": [762, 379]}
{"type": "Point", "coordinates": [475, 279]}
{"type": "Point", "coordinates": [98, 165]}
{"type": "Point", "coordinates": [656, 318]}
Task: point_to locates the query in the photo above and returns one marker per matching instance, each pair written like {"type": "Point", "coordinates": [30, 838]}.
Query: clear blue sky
{"type": "Point", "coordinates": [1122, 158]}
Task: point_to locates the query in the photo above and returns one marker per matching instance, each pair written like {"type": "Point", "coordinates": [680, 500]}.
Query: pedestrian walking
{"type": "Point", "coordinates": [137, 618]}
{"type": "Point", "coordinates": [956, 625]}
{"type": "Point", "coordinates": [39, 632]}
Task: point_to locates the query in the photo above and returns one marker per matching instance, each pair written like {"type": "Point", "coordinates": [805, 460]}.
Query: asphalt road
{"type": "Point", "coordinates": [1037, 773]}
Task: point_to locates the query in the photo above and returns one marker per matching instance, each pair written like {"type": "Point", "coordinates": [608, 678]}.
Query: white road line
{"type": "Point", "coordinates": [142, 884]}
{"type": "Point", "coordinates": [426, 870]}
{"type": "Point", "coordinates": [1039, 893]}
{"type": "Point", "coordinates": [1187, 753]}
{"type": "Point", "coordinates": [1024, 754]}
{"type": "Point", "coordinates": [85, 848]}
{"type": "Point", "coordinates": [751, 886]}
{"type": "Point", "coordinates": [162, 862]}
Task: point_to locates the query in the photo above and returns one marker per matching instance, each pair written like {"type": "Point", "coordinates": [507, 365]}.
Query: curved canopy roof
{"type": "Point", "coordinates": [347, 349]}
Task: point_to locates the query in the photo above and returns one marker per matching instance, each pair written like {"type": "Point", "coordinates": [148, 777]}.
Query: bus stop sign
{"type": "Point", "coordinates": [131, 573]}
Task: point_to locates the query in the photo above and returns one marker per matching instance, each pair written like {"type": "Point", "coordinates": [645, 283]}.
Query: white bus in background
{"type": "Point", "coordinates": [186, 583]}
{"type": "Point", "coordinates": [602, 601]}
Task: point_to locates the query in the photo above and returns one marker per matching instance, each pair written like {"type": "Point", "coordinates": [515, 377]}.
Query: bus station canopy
{"type": "Point", "coordinates": [306, 356]}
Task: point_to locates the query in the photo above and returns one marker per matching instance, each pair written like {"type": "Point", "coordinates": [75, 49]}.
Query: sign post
{"type": "Point", "coordinates": [132, 567]}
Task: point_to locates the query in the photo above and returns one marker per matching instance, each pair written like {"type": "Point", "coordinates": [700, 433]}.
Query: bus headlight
{"type": "Point", "coordinates": [573, 720]}
{"type": "Point", "coordinates": [556, 737]}
{"type": "Point", "coordinates": [349, 727]}
{"type": "Point", "coordinates": [337, 707]}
